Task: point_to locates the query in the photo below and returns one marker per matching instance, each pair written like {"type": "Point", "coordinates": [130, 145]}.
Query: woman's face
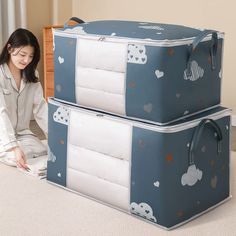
{"type": "Point", "coordinates": [21, 57]}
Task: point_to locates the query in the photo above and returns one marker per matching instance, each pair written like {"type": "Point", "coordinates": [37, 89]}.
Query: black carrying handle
{"type": "Point", "coordinates": [75, 19]}
{"type": "Point", "coordinates": [212, 50]}
{"type": "Point", "coordinates": [197, 134]}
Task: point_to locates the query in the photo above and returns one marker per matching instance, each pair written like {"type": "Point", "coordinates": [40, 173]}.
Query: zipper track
{"type": "Point", "coordinates": [161, 129]}
{"type": "Point", "coordinates": [108, 38]}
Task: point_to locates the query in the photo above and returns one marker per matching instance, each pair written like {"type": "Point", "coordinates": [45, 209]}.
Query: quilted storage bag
{"type": "Point", "coordinates": [147, 71]}
{"type": "Point", "coordinates": [165, 175]}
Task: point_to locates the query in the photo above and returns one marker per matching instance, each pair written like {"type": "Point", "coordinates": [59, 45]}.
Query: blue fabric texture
{"type": "Point", "coordinates": [161, 184]}
{"type": "Point", "coordinates": [58, 118]}
{"type": "Point", "coordinates": [64, 68]}
{"type": "Point", "coordinates": [162, 84]}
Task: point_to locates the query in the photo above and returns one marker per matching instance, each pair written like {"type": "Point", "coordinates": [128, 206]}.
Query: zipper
{"type": "Point", "coordinates": [152, 42]}
{"type": "Point", "coordinates": [129, 121]}
{"type": "Point", "coordinates": [102, 38]}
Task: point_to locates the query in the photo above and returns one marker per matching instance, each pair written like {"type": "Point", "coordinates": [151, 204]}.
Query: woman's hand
{"type": "Point", "coordinates": [20, 158]}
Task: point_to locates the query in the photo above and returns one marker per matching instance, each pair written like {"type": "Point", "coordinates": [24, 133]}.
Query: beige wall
{"type": "Point", "coordinates": [212, 14]}
{"type": "Point", "coordinates": [40, 14]}
{"type": "Point", "coordinates": [63, 11]}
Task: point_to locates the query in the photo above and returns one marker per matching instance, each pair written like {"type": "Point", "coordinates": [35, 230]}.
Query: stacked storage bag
{"type": "Point", "coordinates": [107, 121]}
{"type": "Point", "coordinates": [153, 72]}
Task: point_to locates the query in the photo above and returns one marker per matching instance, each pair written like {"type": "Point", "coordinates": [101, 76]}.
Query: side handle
{"type": "Point", "coordinates": [74, 19]}
{"type": "Point", "coordinates": [212, 49]}
{"type": "Point", "coordinates": [197, 135]}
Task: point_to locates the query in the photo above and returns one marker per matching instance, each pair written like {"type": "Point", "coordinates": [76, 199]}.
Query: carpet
{"type": "Point", "coordinates": [29, 206]}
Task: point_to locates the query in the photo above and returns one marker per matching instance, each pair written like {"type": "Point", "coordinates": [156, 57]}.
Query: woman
{"type": "Point", "coordinates": [21, 98]}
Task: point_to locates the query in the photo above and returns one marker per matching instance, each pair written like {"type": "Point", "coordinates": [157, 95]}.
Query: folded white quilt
{"type": "Point", "coordinates": [36, 167]}
{"type": "Point", "coordinates": [36, 157]}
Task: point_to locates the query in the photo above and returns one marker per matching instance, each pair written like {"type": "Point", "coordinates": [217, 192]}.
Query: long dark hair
{"type": "Point", "coordinates": [20, 38]}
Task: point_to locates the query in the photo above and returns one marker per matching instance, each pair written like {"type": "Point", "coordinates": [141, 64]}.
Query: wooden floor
{"type": "Point", "coordinates": [35, 129]}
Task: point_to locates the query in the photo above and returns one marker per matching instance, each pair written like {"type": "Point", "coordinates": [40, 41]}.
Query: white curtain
{"type": "Point", "coordinates": [12, 16]}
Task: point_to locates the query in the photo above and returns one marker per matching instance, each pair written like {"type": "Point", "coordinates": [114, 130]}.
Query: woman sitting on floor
{"type": "Point", "coordinates": [21, 97]}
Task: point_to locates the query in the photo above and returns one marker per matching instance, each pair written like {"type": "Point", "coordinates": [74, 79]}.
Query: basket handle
{"type": "Point", "coordinates": [197, 134]}
{"type": "Point", "coordinates": [75, 19]}
{"type": "Point", "coordinates": [212, 49]}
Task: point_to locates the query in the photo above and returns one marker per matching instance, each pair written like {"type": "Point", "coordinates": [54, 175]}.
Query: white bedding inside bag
{"type": "Point", "coordinates": [100, 79]}
{"type": "Point", "coordinates": [98, 164]}
{"type": "Point", "coordinates": [100, 135]}
{"type": "Point", "coordinates": [98, 158]}
{"type": "Point", "coordinates": [98, 188]}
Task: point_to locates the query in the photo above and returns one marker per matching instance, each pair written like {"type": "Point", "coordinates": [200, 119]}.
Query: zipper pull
{"type": "Point", "coordinates": [102, 38]}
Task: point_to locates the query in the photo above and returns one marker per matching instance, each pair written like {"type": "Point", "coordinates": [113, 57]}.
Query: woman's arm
{"type": "Point", "coordinates": [40, 109]}
{"type": "Point", "coordinates": [7, 133]}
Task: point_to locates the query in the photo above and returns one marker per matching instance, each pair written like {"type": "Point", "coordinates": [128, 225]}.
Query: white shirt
{"type": "Point", "coordinates": [17, 108]}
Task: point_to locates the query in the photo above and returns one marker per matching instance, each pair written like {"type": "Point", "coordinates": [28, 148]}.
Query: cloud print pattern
{"type": "Point", "coordinates": [137, 54]}
{"type": "Point", "coordinates": [192, 176]}
{"type": "Point", "coordinates": [61, 115]}
{"type": "Point", "coordinates": [51, 156]}
{"type": "Point", "coordinates": [143, 209]}
{"type": "Point", "coordinates": [78, 30]}
{"type": "Point", "coordinates": [197, 72]}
